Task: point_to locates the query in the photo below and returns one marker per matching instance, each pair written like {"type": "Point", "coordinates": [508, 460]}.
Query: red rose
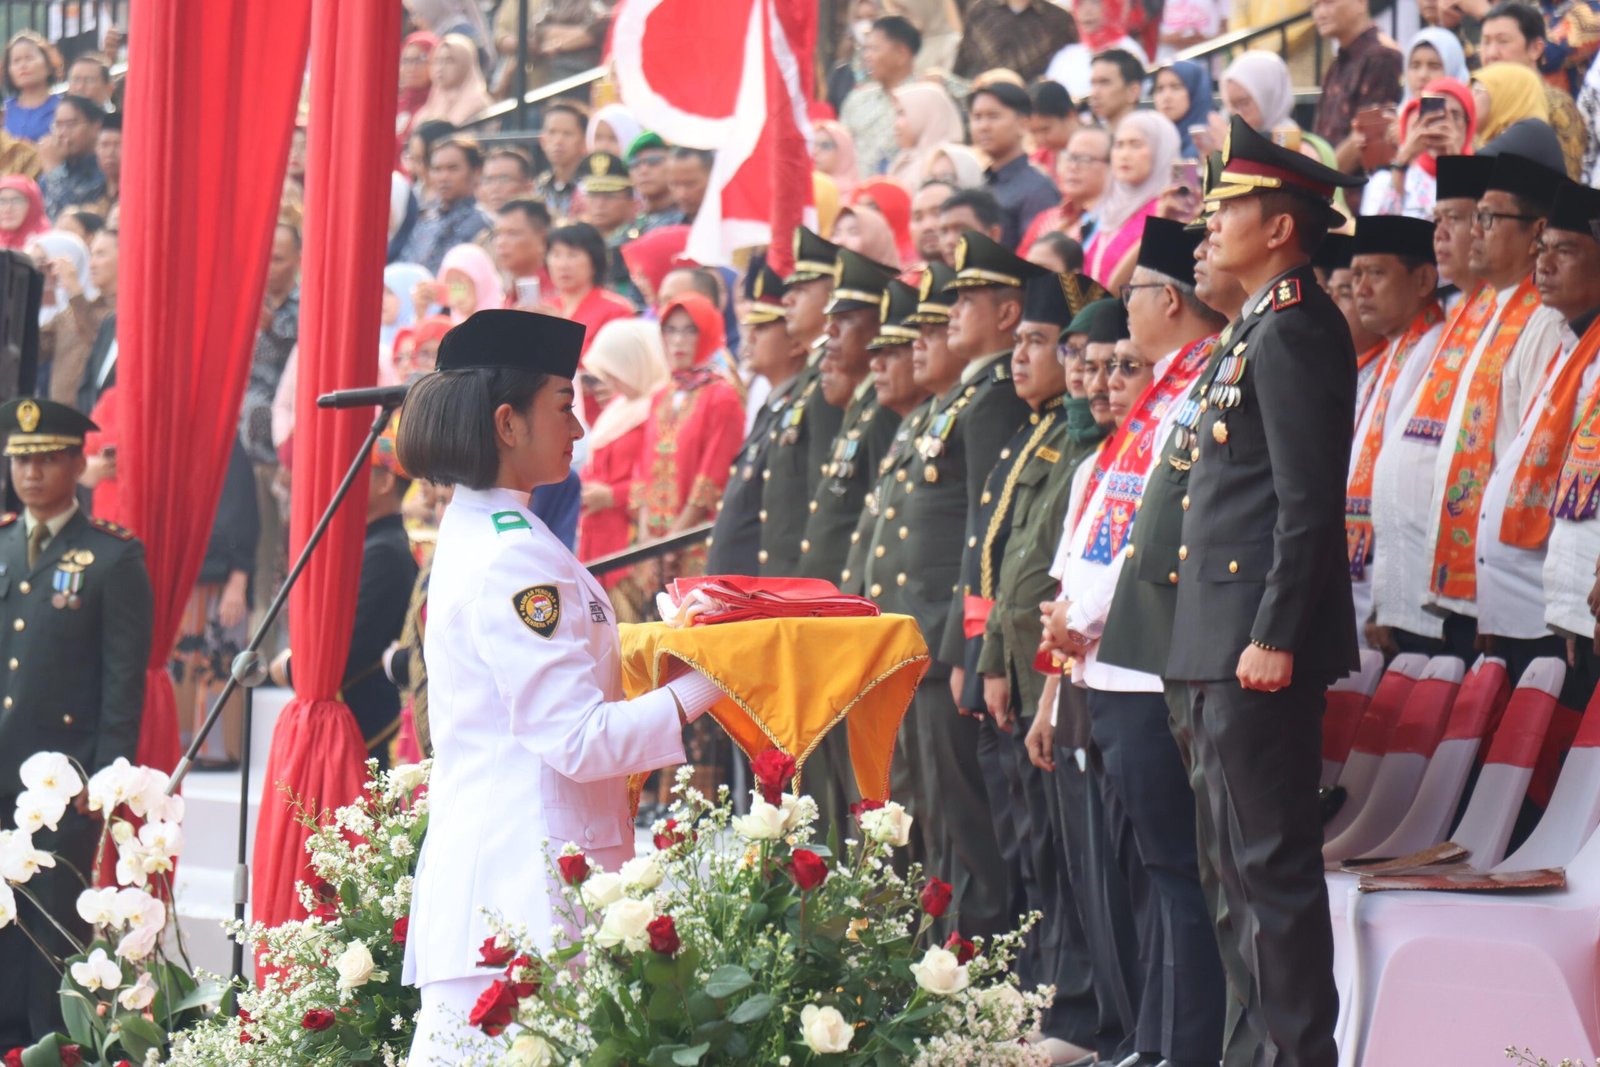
{"type": "Point", "coordinates": [866, 804]}
{"type": "Point", "coordinates": [316, 1019]}
{"type": "Point", "coordinates": [491, 954]}
{"type": "Point", "coordinates": [124, 1063]}
{"type": "Point", "coordinates": [664, 935]}
{"type": "Point", "coordinates": [13, 1058]}
{"type": "Point", "coordinates": [574, 868]}
{"type": "Point", "coordinates": [327, 898]}
{"type": "Point", "coordinates": [936, 897]}
{"type": "Point", "coordinates": [524, 976]}
{"type": "Point", "coordinates": [671, 836]}
{"type": "Point", "coordinates": [773, 771]}
{"type": "Point", "coordinates": [492, 1013]}
{"type": "Point", "coordinates": [245, 1016]}
{"type": "Point", "coordinates": [245, 1038]}
{"type": "Point", "coordinates": [402, 927]}
{"type": "Point", "coordinates": [963, 948]}
{"type": "Point", "coordinates": [808, 869]}
{"type": "Point", "coordinates": [71, 1055]}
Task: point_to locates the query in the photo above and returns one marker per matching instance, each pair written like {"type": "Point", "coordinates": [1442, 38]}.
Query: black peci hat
{"type": "Point", "coordinates": [898, 303]}
{"type": "Point", "coordinates": [858, 282]}
{"type": "Point", "coordinates": [814, 257]}
{"type": "Point", "coordinates": [1168, 248]}
{"type": "Point", "coordinates": [1335, 253]}
{"type": "Point", "coordinates": [1576, 208]}
{"type": "Point", "coordinates": [33, 427]}
{"type": "Point", "coordinates": [1058, 298]}
{"type": "Point", "coordinates": [1525, 178]}
{"type": "Point", "coordinates": [1462, 177]}
{"type": "Point", "coordinates": [982, 261]}
{"type": "Point", "coordinates": [934, 298]}
{"type": "Point", "coordinates": [519, 340]}
{"type": "Point", "coordinates": [1393, 235]}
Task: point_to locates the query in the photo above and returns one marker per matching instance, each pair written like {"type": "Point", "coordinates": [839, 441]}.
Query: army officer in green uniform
{"type": "Point", "coordinates": [75, 640]}
{"type": "Point", "coordinates": [806, 428]}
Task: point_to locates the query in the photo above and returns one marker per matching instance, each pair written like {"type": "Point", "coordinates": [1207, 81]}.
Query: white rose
{"type": "Point", "coordinates": [1002, 999]}
{"type": "Point", "coordinates": [825, 1029]}
{"type": "Point", "coordinates": [890, 824]}
{"type": "Point", "coordinates": [19, 860]}
{"type": "Point", "coordinates": [98, 907]}
{"type": "Point", "coordinates": [39, 811]}
{"type": "Point", "coordinates": [139, 942]}
{"type": "Point", "coordinates": [797, 811]}
{"type": "Point", "coordinates": [405, 778]}
{"type": "Point", "coordinates": [764, 823]}
{"type": "Point", "coordinates": [531, 1050]}
{"type": "Point", "coordinates": [97, 972]}
{"type": "Point", "coordinates": [354, 966]}
{"type": "Point", "coordinates": [51, 774]}
{"type": "Point", "coordinates": [109, 786]}
{"type": "Point", "coordinates": [138, 996]}
{"type": "Point", "coordinates": [8, 906]}
{"type": "Point", "coordinates": [601, 890]}
{"type": "Point", "coordinates": [939, 973]}
{"type": "Point", "coordinates": [626, 924]}
{"type": "Point", "coordinates": [641, 872]}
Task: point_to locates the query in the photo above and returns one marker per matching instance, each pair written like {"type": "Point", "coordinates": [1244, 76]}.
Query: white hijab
{"type": "Point", "coordinates": [1123, 201]}
{"type": "Point", "coordinates": [622, 123]}
{"type": "Point", "coordinates": [1265, 76]}
{"type": "Point", "coordinates": [628, 350]}
{"type": "Point", "coordinates": [58, 244]}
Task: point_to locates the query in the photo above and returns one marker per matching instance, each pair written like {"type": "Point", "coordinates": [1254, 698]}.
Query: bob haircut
{"type": "Point", "coordinates": [586, 239]}
{"type": "Point", "coordinates": [446, 433]}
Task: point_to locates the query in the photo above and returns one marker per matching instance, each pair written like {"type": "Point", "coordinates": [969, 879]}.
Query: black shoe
{"type": "Point", "coordinates": [1331, 800]}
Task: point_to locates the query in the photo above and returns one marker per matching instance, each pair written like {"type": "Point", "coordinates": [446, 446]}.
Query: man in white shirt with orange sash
{"type": "Point", "coordinates": [1395, 283]}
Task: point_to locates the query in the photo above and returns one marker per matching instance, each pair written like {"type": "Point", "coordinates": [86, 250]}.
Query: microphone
{"type": "Point", "coordinates": [386, 396]}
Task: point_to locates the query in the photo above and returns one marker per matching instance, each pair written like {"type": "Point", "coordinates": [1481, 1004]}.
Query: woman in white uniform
{"type": "Point", "coordinates": [533, 742]}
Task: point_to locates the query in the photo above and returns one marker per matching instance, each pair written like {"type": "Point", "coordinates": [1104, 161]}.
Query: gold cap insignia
{"type": "Point", "coordinates": [27, 416]}
{"type": "Point", "coordinates": [1227, 146]}
{"type": "Point", "coordinates": [961, 255]}
{"type": "Point", "coordinates": [761, 284]}
{"type": "Point", "coordinates": [927, 285]}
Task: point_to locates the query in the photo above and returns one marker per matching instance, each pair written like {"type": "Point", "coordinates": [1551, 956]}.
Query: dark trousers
{"type": "Point", "coordinates": [955, 800]}
{"type": "Point", "coordinates": [1239, 1043]}
{"type": "Point", "coordinates": [994, 763]}
{"type": "Point", "coordinates": [1040, 862]}
{"type": "Point", "coordinates": [30, 983]}
{"type": "Point", "coordinates": [1074, 1014]}
{"type": "Point", "coordinates": [1260, 756]}
{"type": "Point", "coordinates": [1460, 640]}
{"type": "Point", "coordinates": [831, 781]}
{"type": "Point", "coordinates": [1100, 895]}
{"type": "Point", "coordinates": [1150, 807]}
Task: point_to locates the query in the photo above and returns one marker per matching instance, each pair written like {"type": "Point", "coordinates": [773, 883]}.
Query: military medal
{"type": "Point", "coordinates": [1219, 432]}
{"type": "Point", "coordinates": [930, 474]}
{"type": "Point", "coordinates": [67, 581]}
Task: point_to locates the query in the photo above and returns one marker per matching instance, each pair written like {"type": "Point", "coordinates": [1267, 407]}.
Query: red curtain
{"type": "Point", "coordinates": [211, 94]}
{"type": "Point", "coordinates": [317, 751]}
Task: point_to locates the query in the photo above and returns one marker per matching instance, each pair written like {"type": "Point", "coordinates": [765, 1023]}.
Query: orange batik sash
{"type": "Point", "coordinates": [1455, 572]}
{"type": "Point", "coordinates": [1539, 478]}
{"type": "Point", "coordinates": [1455, 348]}
{"type": "Point", "coordinates": [1380, 393]}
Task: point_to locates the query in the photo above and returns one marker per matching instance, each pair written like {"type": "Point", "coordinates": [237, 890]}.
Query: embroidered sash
{"type": "Point", "coordinates": [1535, 489]}
{"type": "Point", "coordinates": [1367, 371]}
{"type": "Point", "coordinates": [1576, 491]}
{"type": "Point", "coordinates": [1455, 348]}
{"type": "Point", "coordinates": [1380, 389]}
{"type": "Point", "coordinates": [1455, 571]}
{"type": "Point", "coordinates": [1129, 455]}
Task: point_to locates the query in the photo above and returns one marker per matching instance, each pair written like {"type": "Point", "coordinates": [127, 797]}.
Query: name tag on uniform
{"type": "Point", "coordinates": [1049, 455]}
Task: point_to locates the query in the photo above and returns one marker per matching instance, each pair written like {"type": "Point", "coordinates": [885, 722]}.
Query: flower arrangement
{"type": "Point", "coordinates": [743, 940]}
{"type": "Point", "coordinates": [122, 996]}
{"type": "Point", "coordinates": [1526, 1056]}
{"type": "Point", "coordinates": [332, 992]}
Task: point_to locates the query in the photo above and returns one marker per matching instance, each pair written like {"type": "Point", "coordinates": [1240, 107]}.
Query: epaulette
{"type": "Point", "coordinates": [121, 533]}
{"type": "Point", "coordinates": [1286, 294]}
{"type": "Point", "coordinates": [8, 518]}
{"type": "Point", "coordinates": [1002, 370]}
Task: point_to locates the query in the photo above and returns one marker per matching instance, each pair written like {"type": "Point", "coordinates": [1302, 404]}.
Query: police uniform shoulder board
{"type": "Point", "coordinates": [7, 519]}
{"type": "Point", "coordinates": [104, 526]}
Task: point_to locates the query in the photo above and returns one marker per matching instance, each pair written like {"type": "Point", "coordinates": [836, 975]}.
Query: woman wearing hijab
{"type": "Point", "coordinates": [470, 282]}
{"type": "Point", "coordinates": [1183, 94]}
{"type": "Point", "coordinates": [1506, 93]}
{"type": "Point", "coordinates": [416, 82]}
{"type": "Point", "coordinates": [459, 92]}
{"type": "Point", "coordinates": [612, 129]}
{"type": "Point", "coordinates": [627, 360]}
{"type": "Point", "coordinates": [1409, 186]}
{"type": "Point", "coordinates": [22, 216]}
{"type": "Point", "coordinates": [863, 230]}
{"type": "Point", "coordinates": [649, 258]}
{"type": "Point", "coordinates": [957, 164]}
{"type": "Point", "coordinates": [73, 309]}
{"type": "Point", "coordinates": [924, 118]}
{"type": "Point", "coordinates": [400, 280]}
{"type": "Point", "coordinates": [1142, 152]}
{"type": "Point", "coordinates": [833, 152]}
{"type": "Point", "coordinates": [1434, 53]}
{"type": "Point", "coordinates": [1256, 88]}
{"type": "Point", "coordinates": [891, 200]}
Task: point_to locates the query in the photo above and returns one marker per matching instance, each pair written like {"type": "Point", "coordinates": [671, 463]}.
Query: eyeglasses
{"type": "Point", "coordinates": [654, 159]}
{"type": "Point", "coordinates": [1078, 159]}
{"type": "Point", "coordinates": [13, 201]}
{"type": "Point", "coordinates": [685, 332]}
{"type": "Point", "coordinates": [1064, 352]}
{"type": "Point", "coordinates": [1486, 219]}
{"type": "Point", "coordinates": [1125, 367]}
{"type": "Point", "coordinates": [1128, 290]}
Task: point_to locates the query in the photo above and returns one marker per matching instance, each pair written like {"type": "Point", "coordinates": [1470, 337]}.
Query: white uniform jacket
{"type": "Point", "coordinates": [532, 739]}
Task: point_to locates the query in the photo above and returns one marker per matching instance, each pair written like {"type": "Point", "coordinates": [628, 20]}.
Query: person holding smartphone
{"type": "Point", "coordinates": [1439, 122]}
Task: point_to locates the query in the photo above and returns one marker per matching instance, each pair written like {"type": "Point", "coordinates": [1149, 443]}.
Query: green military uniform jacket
{"type": "Point", "coordinates": [75, 642]}
{"type": "Point", "coordinates": [974, 423]}
{"type": "Point", "coordinates": [794, 471]}
{"type": "Point", "coordinates": [1020, 556]}
{"type": "Point", "coordinates": [865, 437]}
{"type": "Point", "coordinates": [876, 564]}
{"type": "Point", "coordinates": [735, 543]}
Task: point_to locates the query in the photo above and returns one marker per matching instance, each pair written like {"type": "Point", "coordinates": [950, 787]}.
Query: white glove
{"type": "Point", "coordinates": [696, 693]}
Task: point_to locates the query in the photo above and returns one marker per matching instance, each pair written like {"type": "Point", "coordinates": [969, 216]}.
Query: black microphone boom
{"type": "Point", "coordinates": [387, 396]}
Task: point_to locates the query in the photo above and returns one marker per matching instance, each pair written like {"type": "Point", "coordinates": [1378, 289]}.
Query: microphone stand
{"type": "Point", "coordinates": [249, 670]}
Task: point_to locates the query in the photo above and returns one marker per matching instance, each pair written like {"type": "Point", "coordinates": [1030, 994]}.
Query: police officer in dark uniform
{"type": "Point", "coordinates": [806, 428]}
{"type": "Point", "coordinates": [867, 431]}
{"type": "Point", "coordinates": [75, 618]}
{"type": "Point", "coordinates": [1264, 620]}
{"type": "Point", "coordinates": [735, 544]}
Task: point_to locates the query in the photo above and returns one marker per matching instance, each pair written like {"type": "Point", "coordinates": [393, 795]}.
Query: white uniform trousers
{"type": "Point", "coordinates": [444, 1037]}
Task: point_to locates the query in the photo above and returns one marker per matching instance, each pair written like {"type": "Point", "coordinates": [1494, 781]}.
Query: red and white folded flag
{"type": "Point", "coordinates": [738, 598]}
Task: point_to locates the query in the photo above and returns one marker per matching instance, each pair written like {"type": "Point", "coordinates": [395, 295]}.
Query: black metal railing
{"type": "Point", "coordinates": [17, 15]}
{"type": "Point", "coordinates": [516, 108]}
{"type": "Point", "coordinates": [649, 550]}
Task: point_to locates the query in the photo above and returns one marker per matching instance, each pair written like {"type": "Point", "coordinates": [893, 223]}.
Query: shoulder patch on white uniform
{"type": "Point", "coordinates": [506, 521]}
{"type": "Point", "coordinates": [539, 608]}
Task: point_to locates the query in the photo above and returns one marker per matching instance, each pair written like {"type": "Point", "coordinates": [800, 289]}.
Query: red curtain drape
{"type": "Point", "coordinates": [211, 94]}
{"type": "Point", "coordinates": [317, 751]}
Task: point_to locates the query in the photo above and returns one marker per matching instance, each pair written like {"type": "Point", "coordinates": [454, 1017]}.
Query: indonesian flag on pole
{"type": "Point", "coordinates": [732, 76]}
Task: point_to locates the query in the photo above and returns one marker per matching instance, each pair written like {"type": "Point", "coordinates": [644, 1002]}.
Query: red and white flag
{"type": "Point", "coordinates": [732, 76]}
